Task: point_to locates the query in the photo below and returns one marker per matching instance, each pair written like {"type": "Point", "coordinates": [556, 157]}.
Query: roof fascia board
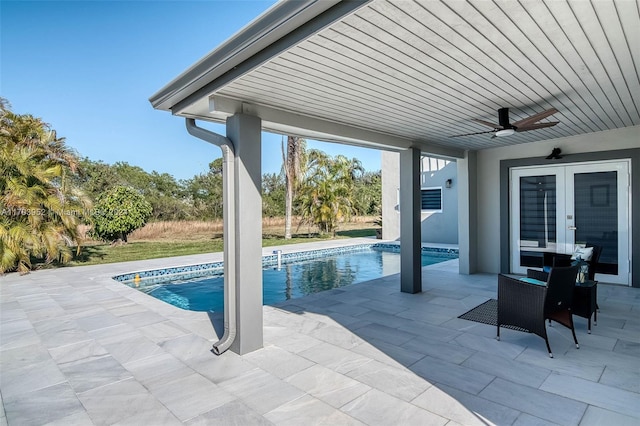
{"type": "Point", "coordinates": [279, 120]}
{"type": "Point", "coordinates": [268, 27]}
{"type": "Point", "coordinates": [298, 34]}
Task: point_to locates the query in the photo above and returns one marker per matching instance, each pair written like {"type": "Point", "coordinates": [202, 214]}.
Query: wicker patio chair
{"type": "Point", "coordinates": [528, 306]}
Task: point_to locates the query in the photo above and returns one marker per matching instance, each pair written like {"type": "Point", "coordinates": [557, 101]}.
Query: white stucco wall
{"type": "Point", "coordinates": [442, 227]}
{"type": "Point", "coordinates": [436, 227]}
{"type": "Point", "coordinates": [488, 180]}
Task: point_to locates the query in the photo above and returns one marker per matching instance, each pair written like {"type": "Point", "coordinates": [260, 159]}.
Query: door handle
{"type": "Point", "coordinates": [572, 228]}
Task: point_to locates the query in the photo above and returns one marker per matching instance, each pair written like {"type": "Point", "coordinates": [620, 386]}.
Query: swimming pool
{"type": "Point", "coordinates": [298, 275]}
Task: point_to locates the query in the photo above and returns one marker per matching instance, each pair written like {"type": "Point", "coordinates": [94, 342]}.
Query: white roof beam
{"type": "Point", "coordinates": [280, 121]}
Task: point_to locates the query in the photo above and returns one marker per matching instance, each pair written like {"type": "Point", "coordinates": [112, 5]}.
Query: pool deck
{"type": "Point", "coordinates": [77, 348]}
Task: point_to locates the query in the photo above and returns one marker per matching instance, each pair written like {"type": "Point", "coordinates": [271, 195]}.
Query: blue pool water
{"type": "Point", "coordinates": [291, 280]}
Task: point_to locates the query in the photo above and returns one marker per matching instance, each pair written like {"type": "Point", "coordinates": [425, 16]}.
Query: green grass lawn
{"type": "Point", "coordinates": [140, 250]}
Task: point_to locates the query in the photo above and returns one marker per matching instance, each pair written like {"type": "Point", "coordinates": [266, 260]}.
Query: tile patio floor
{"type": "Point", "coordinates": [77, 348]}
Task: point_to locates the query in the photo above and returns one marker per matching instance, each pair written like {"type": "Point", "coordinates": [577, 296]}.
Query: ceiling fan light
{"type": "Point", "coordinates": [505, 132]}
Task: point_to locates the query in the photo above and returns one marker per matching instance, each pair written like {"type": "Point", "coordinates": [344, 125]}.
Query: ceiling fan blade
{"type": "Point", "coordinates": [486, 123]}
{"type": "Point", "coordinates": [536, 126]}
{"type": "Point", "coordinates": [535, 117]}
{"type": "Point", "coordinates": [471, 134]}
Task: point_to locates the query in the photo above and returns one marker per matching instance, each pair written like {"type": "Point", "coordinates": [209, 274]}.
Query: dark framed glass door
{"type": "Point", "coordinates": [558, 208]}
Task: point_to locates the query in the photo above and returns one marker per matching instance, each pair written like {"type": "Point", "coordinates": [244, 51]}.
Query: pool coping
{"type": "Point", "coordinates": [201, 269]}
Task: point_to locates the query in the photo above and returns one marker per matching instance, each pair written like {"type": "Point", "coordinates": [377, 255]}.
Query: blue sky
{"type": "Point", "coordinates": [89, 67]}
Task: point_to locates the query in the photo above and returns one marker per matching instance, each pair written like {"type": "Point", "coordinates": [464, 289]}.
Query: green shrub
{"type": "Point", "coordinates": [118, 212]}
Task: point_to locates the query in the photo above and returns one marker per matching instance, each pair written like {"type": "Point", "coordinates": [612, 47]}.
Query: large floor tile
{"type": "Point", "coordinates": [98, 321]}
{"type": "Point", "coordinates": [86, 350]}
{"type": "Point", "coordinates": [464, 408]}
{"type": "Point", "coordinates": [159, 332]}
{"type": "Point", "coordinates": [597, 394]}
{"type": "Point", "coordinates": [84, 375]}
{"type": "Point", "coordinates": [42, 406]}
{"type": "Point", "coordinates": [310, 411]}
{"type": "Point", "coordinates": [450, 352]}
{"type": "Point", "coordinates": [396, 381]}
{"type": "Point", "coordinates": [596, 416]}
{"type": "Point", "coordinates": [60, 332]}
{"type": "Point", "coordinates": [39, 375]}
{"type": "Point", "coordinates": [463, 378]}
{"type": "Point", "coordinates": [190, 396]}
{"type": "Point", "coordinates": [536, 402]}
{"type": "Point", "coordinates": [13, 359]}
{"type": "Point", "coordinates": [234, 413]}
{"type": "Point", "coordinates": [385, 333]}
{"type": "Point", "coordinates": [187, 346]}
{"type": "Point", "coordinates": [261, 391]}
{"type": "Point", "coordinates": [525, 419]}
{"type": "Point", "coordinates": [508, 369]}
{"type": "Point", "coordinates": [17, 334]}
{"type": "Point", "coordinates": [335, 358]}
{"type": "Point", "coordinates": [378, 408]}
{"type": "Point", "coordinates": [277, 361]}
{"type": "Point", "coordinates": [333, 388]}
{"type": "Point", "coordinates": [220, 368]}
{"type": "Point", "coordinates": [132, 349]}
{"type": "Point", "coordinates": [125, 402]}
{"type": "Point", "coordinates": [622, 378]}
{"type": "Point", "coordinates": [159, 370]}
{"type": "Point", "coordinates": [387, 353]}
{"type": "Point", "coordinates": [339, 336]}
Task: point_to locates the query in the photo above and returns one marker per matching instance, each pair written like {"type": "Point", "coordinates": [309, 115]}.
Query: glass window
{"type": "Point", "coordinates": [537, 211]}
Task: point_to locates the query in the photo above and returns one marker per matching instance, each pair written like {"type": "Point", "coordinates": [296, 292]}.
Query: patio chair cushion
{"type": "Point", "coordinates": [583, 253]}
{"type": "Point", "coordinates": [533, 281]}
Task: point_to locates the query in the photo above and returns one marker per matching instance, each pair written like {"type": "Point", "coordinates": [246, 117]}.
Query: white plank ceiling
{"type": "Point", "coordinates": [423, 70]}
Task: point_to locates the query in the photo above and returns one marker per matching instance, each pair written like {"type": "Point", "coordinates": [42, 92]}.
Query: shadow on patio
{"type": "Point", "coordinates": [382, 356]}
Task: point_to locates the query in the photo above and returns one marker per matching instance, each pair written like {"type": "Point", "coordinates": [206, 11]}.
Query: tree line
{"type": "Point", "coordinates": [200, 198]}
{"type": "Point", "coordinates": [47, 190]}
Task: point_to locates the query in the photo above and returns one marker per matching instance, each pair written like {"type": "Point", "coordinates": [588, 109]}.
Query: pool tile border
{"type": "Point", "coordinates": [214, 268]}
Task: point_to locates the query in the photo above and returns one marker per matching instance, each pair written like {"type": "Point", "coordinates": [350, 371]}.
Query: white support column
{"type": "Point", "coordinates": [467, 213]}
{"type": "Point", "coordinates": [244, 132]}
{"type": "Point", "coordinates": [390, 185]}
{"type": "Point", "coordinates": [410, 229]}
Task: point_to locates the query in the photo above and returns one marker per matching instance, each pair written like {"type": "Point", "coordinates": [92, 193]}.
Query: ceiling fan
{"type": "Point", "coordinates": [504, 128]}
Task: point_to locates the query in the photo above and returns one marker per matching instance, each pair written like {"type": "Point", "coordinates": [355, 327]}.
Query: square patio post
{"type": "Point", "coordinates": [467, 213]}
{"type": "Point", "coordinates": [390, 186]}
{"type": "Point", "coordinates": [410, 230]}
{"type": "Point", "coordinates": [244, 131]}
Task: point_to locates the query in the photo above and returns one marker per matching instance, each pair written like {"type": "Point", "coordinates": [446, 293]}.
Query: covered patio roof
{"type": "Point", "coordinates": [406, 76]}
{"type": "Point", "coordinates": [393, 75]}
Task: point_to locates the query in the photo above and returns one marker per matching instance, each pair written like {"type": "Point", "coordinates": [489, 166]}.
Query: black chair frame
{"type": "Point", "coordinates": [529, 306]}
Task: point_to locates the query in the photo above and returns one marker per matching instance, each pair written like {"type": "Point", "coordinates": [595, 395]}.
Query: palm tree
{"type": "Point", "coordinates": [294, 159]}
{"type": "Point", "coordinates": [326, 196]}
{"type": "Point", "coordinates": [41, 207]}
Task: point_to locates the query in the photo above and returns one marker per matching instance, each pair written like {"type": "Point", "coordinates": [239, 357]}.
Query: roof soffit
{"type": "Point", "coordinates": [421, 70]}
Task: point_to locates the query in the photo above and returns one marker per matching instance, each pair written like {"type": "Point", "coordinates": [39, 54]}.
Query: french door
{"type": "Point", "coordinates": [557, 208]}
